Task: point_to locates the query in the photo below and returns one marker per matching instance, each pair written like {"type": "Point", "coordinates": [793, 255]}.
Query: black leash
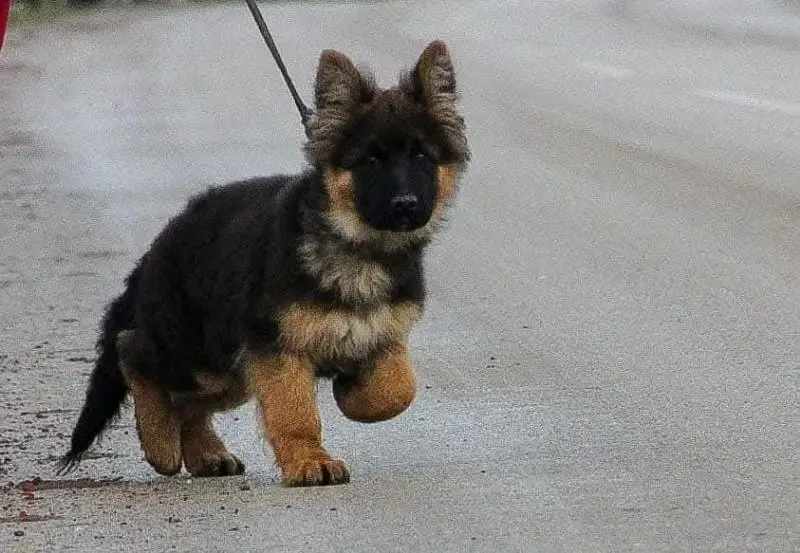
{"type": "Point", "coordinates": [305, 112]}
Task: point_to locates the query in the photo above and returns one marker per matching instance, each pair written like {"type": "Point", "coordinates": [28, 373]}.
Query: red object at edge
{"type": "Point", "coordinates": [5, 8]}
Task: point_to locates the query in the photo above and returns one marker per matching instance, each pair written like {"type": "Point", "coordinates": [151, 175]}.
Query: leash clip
{"type": "Point", "coordinates": [305, 112]}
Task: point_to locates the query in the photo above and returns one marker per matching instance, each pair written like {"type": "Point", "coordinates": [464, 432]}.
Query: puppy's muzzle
{"type": "Point", "coordinates": [405, 212]}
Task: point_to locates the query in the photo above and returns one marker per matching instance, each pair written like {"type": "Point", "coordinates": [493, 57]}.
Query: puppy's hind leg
{"type": "Point", "coordinates": [203, 450]}
{"type": "Point", "coordinates": [157, 422]}
{"type": "Point", "coordinates": [204, 453]}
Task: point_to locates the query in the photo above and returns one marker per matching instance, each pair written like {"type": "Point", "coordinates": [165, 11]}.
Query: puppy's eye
{"type": "Point", "coordinates": [419, 153]}
{"type": "Point", "coordinates": [375, 155]}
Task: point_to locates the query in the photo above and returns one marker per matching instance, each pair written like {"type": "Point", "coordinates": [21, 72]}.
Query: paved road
{"type": "Point", "coordinates": [610, 361]}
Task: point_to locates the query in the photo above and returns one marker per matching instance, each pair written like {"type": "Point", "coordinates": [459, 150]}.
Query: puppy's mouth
{"type": "Point", "coordinates": [405, 226]}
{"type": "Point", "coordinates": [406, 217]}
{"type": "Point", "coordinates": [401, 224]}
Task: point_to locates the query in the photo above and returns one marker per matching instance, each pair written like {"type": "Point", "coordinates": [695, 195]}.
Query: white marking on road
{"type": "Point", "coordinates": [755, 102]}
{"type": "Point", "coordinates": [607, 70]}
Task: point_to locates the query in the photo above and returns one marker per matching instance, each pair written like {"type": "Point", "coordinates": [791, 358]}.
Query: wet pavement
{"type": "Point", "coordinates": [610, 360]}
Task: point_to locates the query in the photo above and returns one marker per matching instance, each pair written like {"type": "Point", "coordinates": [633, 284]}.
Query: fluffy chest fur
{"type": "Point", "coordinates": [332, 334]}
{"type": "Point", "coordinates": [356, 280]}
{"type": "Point", "coordinates": [371, 312]}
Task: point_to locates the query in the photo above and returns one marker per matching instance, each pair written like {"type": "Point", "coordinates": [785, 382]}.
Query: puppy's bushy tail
{"type": "Point", "coordinates": [107, 388]}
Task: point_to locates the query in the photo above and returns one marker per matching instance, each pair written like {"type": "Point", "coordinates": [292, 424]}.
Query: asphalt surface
{"type": "Point", "coordinates": [610, 358]}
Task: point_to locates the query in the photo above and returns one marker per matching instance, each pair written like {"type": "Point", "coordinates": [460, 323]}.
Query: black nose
{"type": "Point", "coordinates": [404, 206]}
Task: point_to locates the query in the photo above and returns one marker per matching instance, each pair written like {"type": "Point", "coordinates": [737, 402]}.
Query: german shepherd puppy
{"type": "Point", "coordinates": [259, 287]}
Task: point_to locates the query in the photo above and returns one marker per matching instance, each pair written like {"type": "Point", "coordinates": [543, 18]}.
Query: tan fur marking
{"type": "Point", "coordinates": [156, 423]}
{"type": "Point", "coordinates": [446, 184]}
{"type": "Point", "coordinates": [323, 333]}
{"type": "Point", "coordinates": [387, 391]}
{"type": "Point", "coordinates": [284, 388]}
{"type": "Point", "coordinates": [343, 215]}
{"type": "Point", "coordinates": [339, 184]}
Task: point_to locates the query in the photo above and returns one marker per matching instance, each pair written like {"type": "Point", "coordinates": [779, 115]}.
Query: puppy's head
{"type": "Point", "coordinates": [391, 157]}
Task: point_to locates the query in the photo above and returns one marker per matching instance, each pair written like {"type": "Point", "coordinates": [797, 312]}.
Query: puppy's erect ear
{"type": "Point", "coordinates": [339, 84]}
{"type": "Point", "coordinates": [339, 89]}
{"type": "Point", "coordinates": [434, 76]}
{"type": "Point", "coordinates": [432, 83]}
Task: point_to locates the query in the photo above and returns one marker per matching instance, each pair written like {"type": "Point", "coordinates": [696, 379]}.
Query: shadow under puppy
{"type": "Point", "coordinates": [259, 287]}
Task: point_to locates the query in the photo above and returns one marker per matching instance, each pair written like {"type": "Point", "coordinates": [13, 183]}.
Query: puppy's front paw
{"type": "Point", "coordinates": [322, 471]}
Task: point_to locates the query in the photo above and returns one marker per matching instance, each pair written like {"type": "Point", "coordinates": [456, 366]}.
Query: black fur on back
{"type": "Point", "coordinates": [217, 277]}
